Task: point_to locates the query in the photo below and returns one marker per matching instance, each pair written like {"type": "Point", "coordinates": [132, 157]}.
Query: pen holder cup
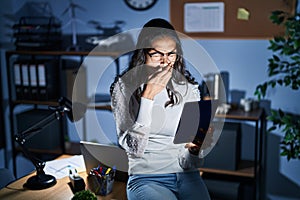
{"type": "Point", "coordinates": [100, 185]}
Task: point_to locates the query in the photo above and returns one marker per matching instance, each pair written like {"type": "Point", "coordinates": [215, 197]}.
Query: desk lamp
{"type": "Point", "coordinates": [42, 180]}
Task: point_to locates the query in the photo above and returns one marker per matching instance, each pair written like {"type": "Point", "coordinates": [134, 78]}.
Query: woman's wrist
{"type": "Point", "coordinates": [148, 94]}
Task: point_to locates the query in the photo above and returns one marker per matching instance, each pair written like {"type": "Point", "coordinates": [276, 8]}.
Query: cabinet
{"type": "Point", "coordinates": [58, 89]}
{"type": "Point", "coordinates": [246, 170]}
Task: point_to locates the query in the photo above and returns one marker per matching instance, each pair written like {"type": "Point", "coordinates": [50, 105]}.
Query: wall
{"type": "Point", "coordinates": [246, 61]}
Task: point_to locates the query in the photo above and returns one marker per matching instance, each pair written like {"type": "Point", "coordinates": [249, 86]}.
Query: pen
{"type": "Point", "coordinates": [108, 170]}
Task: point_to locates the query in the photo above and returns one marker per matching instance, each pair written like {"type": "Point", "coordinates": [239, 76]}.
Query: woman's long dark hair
{"type": "Point", "coordinates": [153, 30]}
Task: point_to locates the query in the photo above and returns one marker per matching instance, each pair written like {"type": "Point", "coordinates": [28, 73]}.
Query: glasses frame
{"type": "Point", "coordinates": [162, 55]}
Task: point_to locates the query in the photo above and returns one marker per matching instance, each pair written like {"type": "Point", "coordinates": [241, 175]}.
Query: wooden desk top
{"type": "Point", "coordinates": [61, 190]}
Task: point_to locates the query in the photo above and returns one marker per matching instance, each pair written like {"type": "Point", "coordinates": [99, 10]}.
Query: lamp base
{"type": "Point", "coordinates": [39, 182]}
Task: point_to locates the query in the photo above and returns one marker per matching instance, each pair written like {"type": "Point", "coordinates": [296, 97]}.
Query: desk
{"type": "Point", "coordinates": [61, 190]}
{"type": "Point", "coordinates": [248, 169]}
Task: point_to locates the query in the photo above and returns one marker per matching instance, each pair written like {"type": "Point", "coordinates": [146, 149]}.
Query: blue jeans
{"type": "Point", "coordinates": [185, 186]}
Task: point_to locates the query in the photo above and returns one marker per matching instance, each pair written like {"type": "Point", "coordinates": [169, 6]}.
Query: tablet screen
{"type": "Point", "coordinates": [195, 121]}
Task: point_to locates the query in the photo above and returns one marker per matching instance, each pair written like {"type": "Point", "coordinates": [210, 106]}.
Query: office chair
{"type": "Point", "coordinates": [6, 177]}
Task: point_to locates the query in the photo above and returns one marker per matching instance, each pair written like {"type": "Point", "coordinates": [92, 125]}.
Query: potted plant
{"type": "Point", "coordinates": [284, 71]}
{"type": "Point", "coordinates": [84, 195]}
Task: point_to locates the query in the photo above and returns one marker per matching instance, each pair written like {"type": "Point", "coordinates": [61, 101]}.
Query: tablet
{"type": "Point", "coordinates": [195, 120]}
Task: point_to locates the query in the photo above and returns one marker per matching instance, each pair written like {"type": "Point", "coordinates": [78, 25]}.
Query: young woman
{"type": "Point", "coordinates": [147, 101]}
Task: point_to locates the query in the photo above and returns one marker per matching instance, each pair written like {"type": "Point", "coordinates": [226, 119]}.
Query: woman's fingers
{"type": "Point", "coordinates": [190, 145]}
{"type": "Point", "coordinates": [157, 82]}
{"type": "Point", "coordinates": [193, 148]}
{"type": "Point", "coordinates": [161, 77]}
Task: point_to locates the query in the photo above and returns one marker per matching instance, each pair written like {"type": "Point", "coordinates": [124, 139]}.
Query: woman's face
{"type": "Point", "coordinates": [163, 53]}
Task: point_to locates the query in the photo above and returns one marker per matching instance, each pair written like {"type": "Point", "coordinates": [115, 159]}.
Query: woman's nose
{"type": "Point", "coordinates": [166, 58]}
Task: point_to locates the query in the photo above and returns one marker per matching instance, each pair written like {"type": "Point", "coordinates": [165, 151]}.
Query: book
{"type": "Point", "coordinates": [42, 82]}
{"type": "Point", "coordinates": [18, 80]}
{"type": "Point", "coordinates": [33, 81]}
{"type": "Point", "coordinates": [48, 80]}
{"type": "Point", "coordinates": [25, 80]}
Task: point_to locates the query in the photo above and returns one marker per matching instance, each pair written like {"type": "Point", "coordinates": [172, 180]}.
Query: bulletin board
{"type": "Point", "coordinates": [242, 19]}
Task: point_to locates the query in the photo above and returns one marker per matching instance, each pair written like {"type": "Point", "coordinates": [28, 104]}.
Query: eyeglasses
{"type": "Point", "coordinates": [158, 56]}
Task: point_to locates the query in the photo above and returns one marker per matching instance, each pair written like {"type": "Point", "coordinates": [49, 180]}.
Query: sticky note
{"type": "Point", "coordinates": [243, 14]}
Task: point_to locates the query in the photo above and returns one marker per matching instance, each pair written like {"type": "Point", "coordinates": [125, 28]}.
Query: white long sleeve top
{"type": "Point", "coordinates": [148, 136]}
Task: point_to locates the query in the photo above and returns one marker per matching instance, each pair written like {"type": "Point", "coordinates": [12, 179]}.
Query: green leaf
{"type": "Point", "coordinates": [272, 129]}
{"type": "Point", "coordinates": [297, 44]}
{"type": "Point", "coordinates": [295, 85]}
{"type": "Point", "coordinates": [274, 113]}
{"type": "Point", "coordinates": [277, 12]}
{"type": "Point", "coordinates": [281, 113]}
{"type": "Point", "coordinates": [284, 153]}
{"type": "Point", "coordinates": [271, 117]}
{"type": "Point", "coordinates": [276, 17]}
{"type": "Point", "coordinates": [276, 58]}
{"type": "Point", "coordinates": [296, 57]}
{"type": "Point", "coordinates": [257, 93]}
{"type": "Point", "coordinates": [287, 119]}
{"type": "Point", "coordinates": [287, 80]}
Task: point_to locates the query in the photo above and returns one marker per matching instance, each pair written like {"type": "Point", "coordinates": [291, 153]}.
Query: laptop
{"type": "Point", "coordinates": [195, 116]}
{"type": "Point", "coordinates": [95, 154]}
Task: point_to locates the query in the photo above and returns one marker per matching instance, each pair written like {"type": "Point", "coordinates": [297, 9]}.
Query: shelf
{"type": "Point", "coordinates": [245, 169]}
{"type": "Point", "coordinates": [100, 102]}
{"type": "Point", "coordinates": [49, 103]}
{"type": "Point", "coordinates": [99, 106]}
{"type": "Point", "coordinates": [65, 53]}
{"type": "Point", "coordinates": [240, 114]}
{"type": "Point", "coordinates": [48, 55]}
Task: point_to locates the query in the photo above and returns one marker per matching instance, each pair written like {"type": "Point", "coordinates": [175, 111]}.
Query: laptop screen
{"type": "Point", "coordinates": [95, 154]}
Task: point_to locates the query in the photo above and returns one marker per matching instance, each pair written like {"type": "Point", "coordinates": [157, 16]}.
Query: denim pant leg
{"type": "Point", "coordinates": [191, 186]}
{"type": "Point", "coordinates": [179, 186]}
{"type": "Point", "coordinates": [151, 187]}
